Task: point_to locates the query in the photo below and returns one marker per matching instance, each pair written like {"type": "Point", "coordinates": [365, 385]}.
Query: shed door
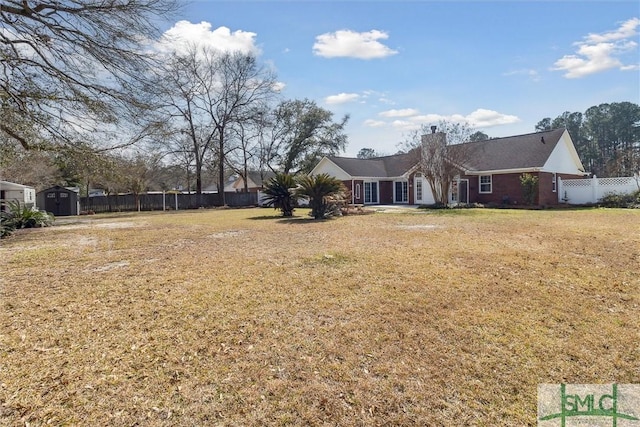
{"type": "Point", "coordinates": [58, 202]}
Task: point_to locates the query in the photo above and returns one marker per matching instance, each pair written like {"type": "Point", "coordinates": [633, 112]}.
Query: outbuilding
{"type": "Point", "coordinates": [23, 194]}
{"type": "Point", "coordinates": [60, 201]}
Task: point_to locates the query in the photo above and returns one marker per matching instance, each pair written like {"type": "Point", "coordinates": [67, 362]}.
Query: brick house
{"type": "Point", "coordinates": [489, 171]}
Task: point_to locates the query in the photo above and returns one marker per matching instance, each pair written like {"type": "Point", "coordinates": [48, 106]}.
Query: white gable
{"type": "Point", "coordinates": [564, 158]}
{"type": "Point", "coordinates": [327, 166]}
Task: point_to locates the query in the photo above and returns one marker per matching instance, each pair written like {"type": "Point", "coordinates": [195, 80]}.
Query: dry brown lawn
{"type": "Point", "coordinates": [241, 318]}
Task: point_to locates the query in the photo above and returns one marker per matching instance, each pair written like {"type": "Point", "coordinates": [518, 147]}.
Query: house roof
{"type": "Point", "coordinates": [513, 152]}
{"type": "Point", "coordinates": [520, 152]}
{"type": "Point", "coordinates": [6, 185]}
{"type": "Point", "coordinates": [256, 176]}
{"type": "Point", "coordinates": [378, 167]}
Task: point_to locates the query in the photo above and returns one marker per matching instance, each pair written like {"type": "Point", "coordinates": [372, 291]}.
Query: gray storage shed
{"type": "Point", "coordinates": [60, 201]}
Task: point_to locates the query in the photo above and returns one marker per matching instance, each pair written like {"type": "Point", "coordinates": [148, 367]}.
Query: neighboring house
{"type": "Point", "coordinates": [24, 194]}
{"type": "Point", "coordinates": [489, 171]}
{"type": "Point", "coordinates": [256, 181]}
{"type": "Point", "coordinates": [60, 201]}
{"type": "Point", "coordinates": [97, 192]}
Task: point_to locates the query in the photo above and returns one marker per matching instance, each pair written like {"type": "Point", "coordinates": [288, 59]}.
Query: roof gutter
{"type": "Point", "coordinates": [503, 171]}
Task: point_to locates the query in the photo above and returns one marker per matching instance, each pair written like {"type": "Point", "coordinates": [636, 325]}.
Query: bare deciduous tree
{"type": "Point", "coordinates": [67, 67]}
{"type": "Point", "coordinates": [205, 94]}
{"type": "Point", "coordinates": [440, 155]}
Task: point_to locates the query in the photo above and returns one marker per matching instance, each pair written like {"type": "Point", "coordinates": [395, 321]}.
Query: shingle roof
{"type": "Point", "coordinates": [378, 167]}
{"type": "Point", "coordinates": [514, 152]}
{"type": "Point", "coordinates": [256, 177]}
{"type": "Point", "coordinates": [6, 185]}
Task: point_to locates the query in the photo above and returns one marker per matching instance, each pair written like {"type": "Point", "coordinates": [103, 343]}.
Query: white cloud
{"type": "Point", "coordinates": [184, 34]}
{"type": "Point", "coordinates": [626, 31]}
{"type": "Point", "coordinates": [385, 100]}
{"type": "Point", "coordinates": [347, 43]}
{"type": "Point", "coordinates": [532, 74]}
{"type": "Point", "coordinates": [374, 123]}
{"type": "Point", "coordinates": [480, 118]}
{"type": "Point", "coordinates": [428, 118]}
{"type": "Point", "coordinates": [341, 98]}
{"type": "Point", "coordinates": [279, 86]}
{"type": "Point", "coordinates": [405, 112]}
{"type": "Point", "coordinates": [601, 52]}
{"type": "Point", "coordinates": [405, 125]}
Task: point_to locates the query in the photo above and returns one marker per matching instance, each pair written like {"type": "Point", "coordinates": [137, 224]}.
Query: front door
{"type": "Point", "coordinates": [463, 191]}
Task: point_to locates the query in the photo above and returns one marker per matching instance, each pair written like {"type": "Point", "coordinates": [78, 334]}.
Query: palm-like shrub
{"type": "Point", "coordinates": [280, 193]}
{"type": "Point", "coordinates": [323, 192]}
{"type": "Point", "coordinates": [6, 225]}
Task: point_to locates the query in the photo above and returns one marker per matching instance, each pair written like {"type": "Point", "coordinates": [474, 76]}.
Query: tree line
{"type": "Point", "coordinates": [86, 102]}
{"type": "Point", "coordinates": [606, 137]}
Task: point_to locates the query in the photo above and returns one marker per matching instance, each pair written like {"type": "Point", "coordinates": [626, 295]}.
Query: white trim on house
{"type": "Point", "coordinates": [329, 167]}
{"type": "Point", "coordinates": [502, 171]}
{"type": "Point", "coordinates": [564, 158]}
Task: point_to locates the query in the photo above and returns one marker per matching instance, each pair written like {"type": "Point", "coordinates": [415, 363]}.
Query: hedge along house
{"type": "Point", "coordinates": [489, 171]}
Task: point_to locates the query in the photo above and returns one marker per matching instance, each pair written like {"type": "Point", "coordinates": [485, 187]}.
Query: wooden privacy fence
{"type": "Point", "coordinates": [590, 190]}
{"type": "Point", "coordinates": [167, 201]}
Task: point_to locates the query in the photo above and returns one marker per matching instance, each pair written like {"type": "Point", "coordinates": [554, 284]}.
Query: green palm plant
{"type": "Point", "coordinates": [320, 189]}
{"type": "Point", "coordinates": [280, 193]}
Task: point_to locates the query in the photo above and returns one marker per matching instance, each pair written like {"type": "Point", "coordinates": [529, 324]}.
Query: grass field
{"type": "Point", "coordinates": [241, 318]}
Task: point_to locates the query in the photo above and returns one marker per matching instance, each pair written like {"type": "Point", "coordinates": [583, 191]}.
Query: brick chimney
{"type": "Point", "coordinates": [434, 136]}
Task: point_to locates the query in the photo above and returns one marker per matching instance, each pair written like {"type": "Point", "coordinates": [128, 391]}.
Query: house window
{"type": "Point", "coordinates": [554, 182]}
{"type": "Point", "coordinates": [485, 184]}
{"type": "Point", "coordinates": [51, 195]}
{"type": "Point", "coordinates": [357, 191]}
{"type": "Point", "coordinates": [418, 186]}
{"type": "Point", "coordinates": [371, 192]}
{"type": "Point", "coordinates": [401, 192]}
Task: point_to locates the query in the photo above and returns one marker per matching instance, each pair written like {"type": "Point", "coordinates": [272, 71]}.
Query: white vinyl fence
{"type": "Point", "coordinates": [590, 190]}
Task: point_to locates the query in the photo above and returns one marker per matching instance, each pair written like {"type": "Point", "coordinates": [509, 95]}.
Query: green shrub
{"type": "Point", "coordinates": [6, 227]}
{"type": "Point", "coordinates": [436, 205]}
{"type": "Point", "coordinates": [20, 216]}
{"type": "Point", "coordinates": [616, 200]}
{"type": "Point", "coordinates": [280, 193]}
{"type": "Point", "coordinates": [327, 195]}
{"type": "Point", "coordinates": [529, 184]}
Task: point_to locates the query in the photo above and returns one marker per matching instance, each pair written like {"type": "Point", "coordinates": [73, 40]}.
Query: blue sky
{"type": "Point", "coordinates": [392, 65]}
